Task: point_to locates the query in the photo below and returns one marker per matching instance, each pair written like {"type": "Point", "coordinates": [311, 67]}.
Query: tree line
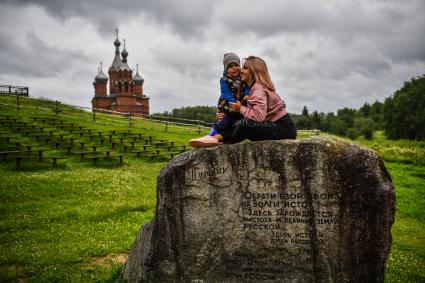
{"type": "Point", "coordinates": [400, 116]}
{"type": "Point", "coordinates": [203, 113]}
{"type": "Point", "coordinates": [347, 122]}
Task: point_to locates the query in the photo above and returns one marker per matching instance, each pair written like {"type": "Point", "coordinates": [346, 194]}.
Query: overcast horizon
{"type": "Point", "coordinates": [323, 54]}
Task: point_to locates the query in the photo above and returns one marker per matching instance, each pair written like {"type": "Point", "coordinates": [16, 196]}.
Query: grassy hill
{"type": "Point", "coordinates": [77, 222]}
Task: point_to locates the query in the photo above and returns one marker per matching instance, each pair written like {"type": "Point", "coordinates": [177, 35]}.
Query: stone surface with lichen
{"type": "Point", "coordinates": [313, 210]}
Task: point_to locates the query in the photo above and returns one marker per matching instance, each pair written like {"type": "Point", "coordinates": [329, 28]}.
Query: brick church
{"type": "Point", "coordinates": [125, 90]}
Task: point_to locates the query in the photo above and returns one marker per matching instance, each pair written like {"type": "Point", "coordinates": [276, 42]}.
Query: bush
{"type": "Point", "coordinates": [365, 127]}
{"type": "Point", "coordinates": [404, 112]}
{"type": "Point", "coordinates": [352, 133]}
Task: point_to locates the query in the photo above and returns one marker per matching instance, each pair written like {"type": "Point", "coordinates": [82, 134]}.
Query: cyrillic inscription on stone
{"type": "Point", "coordinates": [315, 210]}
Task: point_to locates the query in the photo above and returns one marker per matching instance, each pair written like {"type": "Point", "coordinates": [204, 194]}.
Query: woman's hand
{"type": "Point", "coordinates": [235, 106]}
{"type": "Point", "coordinates": [219, 116]}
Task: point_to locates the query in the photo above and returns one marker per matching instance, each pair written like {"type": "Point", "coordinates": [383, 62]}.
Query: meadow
{"type": "Point", "coordinates": [76, 223]}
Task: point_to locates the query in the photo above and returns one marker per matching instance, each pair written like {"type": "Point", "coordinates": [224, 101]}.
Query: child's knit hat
{"type": "Point", "coordinates": [230, 58]}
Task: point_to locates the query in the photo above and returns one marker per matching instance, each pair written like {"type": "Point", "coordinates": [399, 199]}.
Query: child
{"type": "Point", "coordinates": [232, 90]}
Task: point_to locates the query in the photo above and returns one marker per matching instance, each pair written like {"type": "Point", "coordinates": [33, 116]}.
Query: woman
{"type": "Point", "coordinates": [265, 116]}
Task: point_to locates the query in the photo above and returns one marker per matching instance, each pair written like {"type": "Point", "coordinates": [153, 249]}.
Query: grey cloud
{"type": "Point", "coordinates": [329, 17]}
{"type": "Point", "coordinates": [272, 52]}
{"type": "Point", "coordinates": [364, 64]}
{"type": "Point", "coordinates": [324, 54]}
{"type": "Point", "coordinates": [35, 58]}
{"type": "Point", "coordinates": [271, 18]}
{"type": "Point", "coordinates": [408, 45]}
{"type": "Point", "coordinates": [396, 29]}
{"type": "Point", "coordinates": [184, 60]}
{"type": "Point", "coordinates": [337, 65]}
{"type": "Point", "coordinates": [186, 17]}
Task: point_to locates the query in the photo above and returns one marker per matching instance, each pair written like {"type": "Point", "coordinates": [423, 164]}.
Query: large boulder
{"type": "Point", "coordinates": [314, 210]}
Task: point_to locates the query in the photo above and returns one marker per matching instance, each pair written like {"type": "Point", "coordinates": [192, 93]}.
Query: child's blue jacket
{"type": "Point", "coordinates": [226, 93]}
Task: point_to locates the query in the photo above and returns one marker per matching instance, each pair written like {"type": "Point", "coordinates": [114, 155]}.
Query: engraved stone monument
{"type": "Point", "coordinates": [314, 210]}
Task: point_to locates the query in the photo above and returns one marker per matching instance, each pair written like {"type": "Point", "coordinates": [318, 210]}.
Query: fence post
{"type": "Point", "coordinates": [166, 126]}
{"type": "Point", "coordinates": [130, 122]}
{"type": "Point", "coordinates": [17, 102]}
{"type": "Point", "coordinates": [56, 108]}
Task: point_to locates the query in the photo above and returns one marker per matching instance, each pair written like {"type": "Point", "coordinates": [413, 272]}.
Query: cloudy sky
{"type": "Point", "coordinates": [323, 54]}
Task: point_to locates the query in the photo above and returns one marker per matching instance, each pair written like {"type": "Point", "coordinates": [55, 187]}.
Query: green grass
{"type": "Point", "coordinates": [57, 221]}
{"type": "Point", "coordinates": [75, 223]}
{"type": "Point", "coordinates": [60, 225]}
{"type": "Point", "coordinates": [403, 151]}
{"type": "Point", "coordinates": [406, 262]}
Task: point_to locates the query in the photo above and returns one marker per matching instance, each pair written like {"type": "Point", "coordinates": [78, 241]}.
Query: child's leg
{"type": "Point", "coordinates": [283, 128]}
{"type": "Point", "coordinates": [213, 132]}
{"type": "Point", "coordinates": [224, 123]}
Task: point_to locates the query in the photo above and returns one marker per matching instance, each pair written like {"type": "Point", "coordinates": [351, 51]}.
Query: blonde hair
{"type": "Point", "coordinates": [258, 69]}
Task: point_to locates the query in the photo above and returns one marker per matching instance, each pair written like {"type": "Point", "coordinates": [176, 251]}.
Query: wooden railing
{"type": "Point", "coordinates": [14, 90]}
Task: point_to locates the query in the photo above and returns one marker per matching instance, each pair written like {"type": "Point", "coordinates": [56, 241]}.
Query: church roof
{"type": "Point", "coordinates": [120, 61]}
{"type": "Point", "coordinates": [124, 67]}
{"type": "Point", "coordinates": [137, 77]}
{"type": "Point", "coordinates": [116, 64]}
{"type": "Point", "coordinates": [117, 59]}
{"type": "Point", "coordinates": [100, 75]}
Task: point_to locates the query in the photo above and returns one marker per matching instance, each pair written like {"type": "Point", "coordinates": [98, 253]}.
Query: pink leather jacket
{"type": "Point", "coordinates": [263, 105]}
